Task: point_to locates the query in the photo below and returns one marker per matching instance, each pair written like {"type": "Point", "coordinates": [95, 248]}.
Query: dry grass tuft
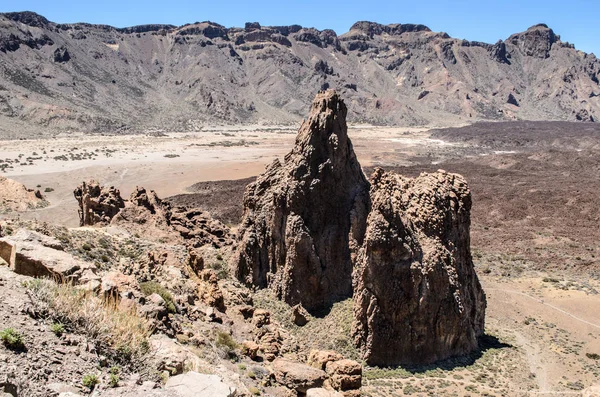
{"type": "Point", "coordinates": [122, 333]}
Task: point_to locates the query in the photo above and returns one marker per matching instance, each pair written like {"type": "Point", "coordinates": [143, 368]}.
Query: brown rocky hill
{"type": "Point", "coordinates": [62, 77]}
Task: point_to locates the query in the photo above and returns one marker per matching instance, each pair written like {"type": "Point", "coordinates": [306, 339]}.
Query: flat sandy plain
{"type": "Point", "coordinates": [535, 228]}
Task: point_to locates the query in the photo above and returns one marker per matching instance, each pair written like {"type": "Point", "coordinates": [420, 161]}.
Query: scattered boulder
{"type": "Point", "coordinates": [296, 376]}
{"type": "Point", "coordinates": [97, 204]}
{"type": "Point", "coordinates": [300, 316]}
{"type": "Point", "coordinates": [198, 228]}
{"type": "Point", "coordinates": [320, 392]}
{"type": "Point", "coordinates": [417, 298]}
{"type": "Point", "coordinates": [250, 349]}
{"type": "Point", "coordinates": [193, 384]}
{"type": "Point", "coordinates": [270, 343]}
{"type": "Point", "coordinates": [209, 291]}
{"type": "Point", "coordinates": [260, 318]}
{"type": "Point", "coordinates": [304, 218]}
{"type": "Point", "coordinates": [61, 55]}
{"type": "Point", "coordinates": [14, 196]}
{"type": "Point", "coordinates": [146, 214]}
{"type": "Point", "coordinates": [35, 255]}
{"type": "Point", "coordinates": [344, 375]}
{"type": "Point", "coordinates": [320, 358]}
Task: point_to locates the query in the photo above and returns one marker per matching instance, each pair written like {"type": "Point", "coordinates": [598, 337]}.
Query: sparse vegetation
{"type": "Point", "coordinates": [152, 287]}
{"type": "Point", "coordinates": [48, 190]}
{"type": "Point", "coordinates": [12, 339]}
{"type": "Point", "coordinates": [90, 381]}
{"type": "Point", "coordinates": [120, 334]}
{"type": "Point", "coordinates": [57, 328]}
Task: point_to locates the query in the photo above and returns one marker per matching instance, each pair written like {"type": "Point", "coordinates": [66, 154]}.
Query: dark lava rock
{"type": "Point", "coordinates": [304, 218]}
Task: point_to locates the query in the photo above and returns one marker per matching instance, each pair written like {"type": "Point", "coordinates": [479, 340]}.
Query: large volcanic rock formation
{"type": "Point", "coordinates": [304, 218]}
{"type": "Point", "coordinates": [417, 297]}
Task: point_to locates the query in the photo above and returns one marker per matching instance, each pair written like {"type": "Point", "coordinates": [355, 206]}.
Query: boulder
{"type": "Point", "coordinates": [300, 316]}
{"type": "Point", "coordinates": [250, 349]}
{"type": "Point", "coordinates": [32, 254]}
{"type": "Point", "coordinates": [304, 218]}
{"type": "Point", "coordinates": [193, 384]}
{"type": "Point", "coordinates": [260, 318]}
{"type": "Point", "coordinates": [320, 392]}
{"type": "Point", "coordinates": [97, 204]}
{"type": "Point", "coordinates": [320, 358]}
{"type": "Point", "coordinates": [199, 228]}
{"type": "Point", "coordinates": [297, 376]}
{"type": "Point", "coordinates": [209, 291]}
{"type": "Point", "coordinates": [344, 374]}
{"type": "Point", "coordinates": [169, 355]}
{"type": "Point", "coordinates": [417, 297]}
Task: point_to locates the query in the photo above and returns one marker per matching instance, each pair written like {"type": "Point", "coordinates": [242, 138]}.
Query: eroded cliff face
{"type": "Point", "coordinates": [304, 218]}
{"type": "Point", "coordinates": [416, 295]}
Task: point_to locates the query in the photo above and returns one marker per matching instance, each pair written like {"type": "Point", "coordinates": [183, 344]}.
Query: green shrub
{"type": "Point", "coordinates": [225, 340]}
{"type": "Point", "coordinates": [48, 190]}
{"type": "Point", "coordinates": [90, 381]}
{"type": "Point", "coordinates": [58, 328]}
{"type": "Point", "coordinates": [12, 339]}
{"type": "Point", "coordinates": [113, 380]}
{"type": "Point", "coordinates": [254, 390]}
{"type": "Point", "coordinates": [593, 356]}
{"type": "Point", "coordinates": [152, 287]}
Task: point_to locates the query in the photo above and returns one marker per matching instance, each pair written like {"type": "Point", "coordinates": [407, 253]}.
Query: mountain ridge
{"type": "Point", "coordinates": [98, 78]}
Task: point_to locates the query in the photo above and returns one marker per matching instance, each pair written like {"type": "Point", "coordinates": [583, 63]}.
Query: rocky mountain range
{"type": "Point", "coordinates": [97, 78]}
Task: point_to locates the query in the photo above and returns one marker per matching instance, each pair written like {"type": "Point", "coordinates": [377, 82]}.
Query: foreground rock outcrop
{"type": "Point", "coordinates": [417, 297]}
{"type": "Point", "coordinates": [304, 218]}
{"type": "Point", "coordinates": [14, 196]}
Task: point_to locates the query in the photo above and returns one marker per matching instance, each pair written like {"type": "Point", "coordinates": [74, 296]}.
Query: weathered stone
{"type": "Point", "coordinates": [344, 374]}
{"type": "Point", "coordinates": [14, 196]}
{"type": "Point", "coordinates": [28, 255]}
{"type": "Point", "coordinates": [320, 392]}
{"type": "Point", "coordinates": [320, 358]}
{"type": "Point", "coordinates": [261, 318]}
{"type": "Point", "coordinates": [417, 298]}
{"type": "Point", "coordinates": [97, 204]}
{"type": "Point", "coordinates": [250, 349]}
{"type": "Point", "coordinates": [300, 316]}
{"type": "Point", "coordinates": [169, 355]}
{"type": "Point", "coordinates": [304, 218]}
{"type": "Point", "coordinates": [193, 384]}
{"type": "Point", "coordinates": [209, 291]}
{"type": "Point", "coordinates": [296, 376]}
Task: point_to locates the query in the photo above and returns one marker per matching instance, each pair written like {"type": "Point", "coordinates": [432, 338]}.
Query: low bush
{"type": "Point", "coordinates": [12, 339]}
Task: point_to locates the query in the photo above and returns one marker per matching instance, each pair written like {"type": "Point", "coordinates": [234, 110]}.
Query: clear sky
{"type": "Point", "coordinates": [576, 21]}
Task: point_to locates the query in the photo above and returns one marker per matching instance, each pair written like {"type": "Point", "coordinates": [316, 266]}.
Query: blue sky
{"type": "Point", "coordinates": [577, 21]}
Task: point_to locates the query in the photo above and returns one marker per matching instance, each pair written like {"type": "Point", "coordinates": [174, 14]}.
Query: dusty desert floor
{"type": "Point", "coordinates": [535, 229]}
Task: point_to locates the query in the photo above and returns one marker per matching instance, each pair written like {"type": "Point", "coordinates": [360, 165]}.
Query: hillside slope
{"type": "Point", "coordinates": [95, 78]}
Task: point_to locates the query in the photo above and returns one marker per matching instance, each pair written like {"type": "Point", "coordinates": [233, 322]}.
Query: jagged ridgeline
{"type": "Point", "coordinates": [57, 77]}
{"type": "Point", "coordinates": [316, 231]}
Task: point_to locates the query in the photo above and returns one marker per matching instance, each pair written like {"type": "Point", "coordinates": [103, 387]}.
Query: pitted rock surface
{"type": "Point", "coordinates": [304, 217]}
{"type": "Point", "coordinates": [417, 297]}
